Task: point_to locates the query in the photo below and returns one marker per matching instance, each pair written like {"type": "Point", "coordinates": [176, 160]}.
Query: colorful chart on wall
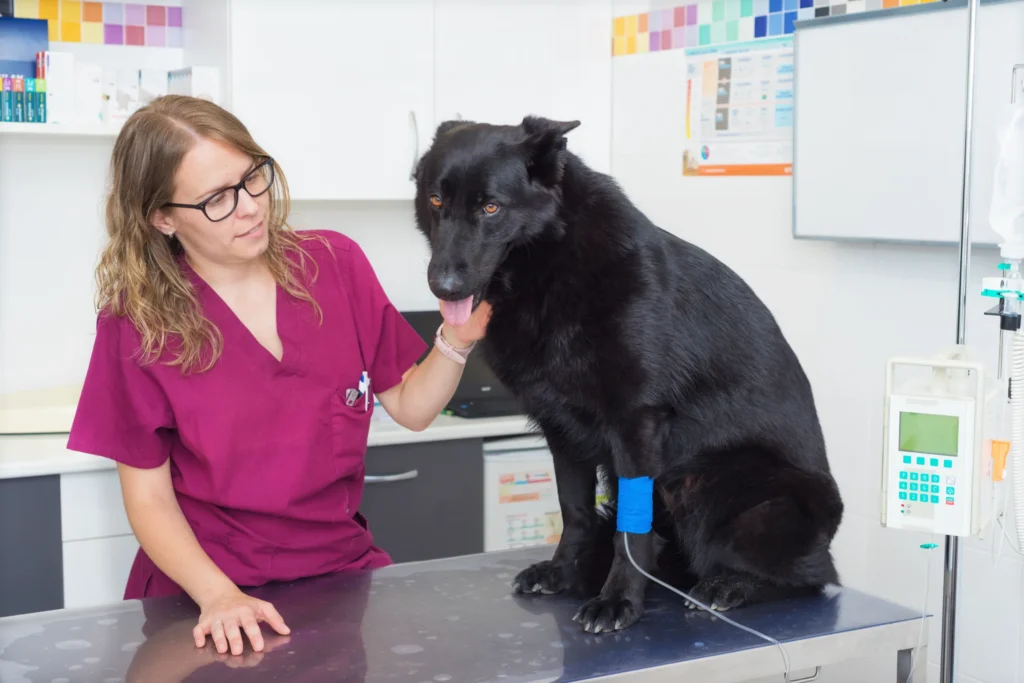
{"type": "Point", "coordinates": [739, 110]}
{"type": "Point", "coordinates": [739, 114]}
{"type": "Point", "coordinates": [709, 23]}
{"type": "Point", "coordinates": [102, 23]}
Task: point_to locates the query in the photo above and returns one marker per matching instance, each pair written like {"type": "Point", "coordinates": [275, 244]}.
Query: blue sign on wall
{"type": "Point", "coordinates": [20, 40]}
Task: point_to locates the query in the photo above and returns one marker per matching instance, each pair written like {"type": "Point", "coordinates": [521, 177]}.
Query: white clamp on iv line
{"type": "Point", "coordinates": [635, 515]}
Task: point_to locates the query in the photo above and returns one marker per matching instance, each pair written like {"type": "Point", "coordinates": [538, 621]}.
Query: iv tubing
{"type": "Point", "coordinates": [1017, 433]}
{"type": "Point", "coordinates": [785, 656]}
{"type": "Point", "coordinates": [924, 611]}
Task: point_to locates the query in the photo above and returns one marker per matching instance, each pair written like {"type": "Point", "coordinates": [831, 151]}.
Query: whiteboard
{"type": "Point", "coordinates": [880, 109]}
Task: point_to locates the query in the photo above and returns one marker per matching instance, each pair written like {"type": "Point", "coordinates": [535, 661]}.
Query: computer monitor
{"type": "Point", "coordinates": [480, 393]}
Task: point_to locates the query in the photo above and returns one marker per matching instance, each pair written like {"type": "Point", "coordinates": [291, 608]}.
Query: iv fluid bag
{"type": "Point", "coordinates": [1006, 214]}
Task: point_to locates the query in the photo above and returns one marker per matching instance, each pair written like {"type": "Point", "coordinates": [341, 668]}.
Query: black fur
{"type": "Point", "coordinates": [637, 354]}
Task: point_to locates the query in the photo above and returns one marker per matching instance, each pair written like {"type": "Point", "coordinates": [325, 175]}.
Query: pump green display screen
{"type": "Point", "coordinates": [929, 433]}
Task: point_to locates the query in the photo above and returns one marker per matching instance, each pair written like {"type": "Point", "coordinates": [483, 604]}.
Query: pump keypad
{"type": "Point", "coordinates": [922, 486]}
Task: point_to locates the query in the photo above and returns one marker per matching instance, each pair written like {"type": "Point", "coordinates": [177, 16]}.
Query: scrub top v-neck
{"type": "Point", "coordinates": [216, 306]}
{"type": "Point", "coordinates": [266, 457]}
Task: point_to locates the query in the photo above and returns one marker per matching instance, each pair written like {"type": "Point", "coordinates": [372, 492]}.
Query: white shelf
{"type": "Point", "coordinates": [72, 129]}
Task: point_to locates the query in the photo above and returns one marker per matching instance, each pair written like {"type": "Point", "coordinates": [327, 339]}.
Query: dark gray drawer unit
{"type": "Point", "coordinates": [425, 501]}
{"type": "Point", "coordinates": [31, 557]}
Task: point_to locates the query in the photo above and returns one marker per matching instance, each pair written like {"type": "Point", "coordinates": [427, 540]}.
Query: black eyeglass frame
{"type": "Point", "coordinates": [236, 188]}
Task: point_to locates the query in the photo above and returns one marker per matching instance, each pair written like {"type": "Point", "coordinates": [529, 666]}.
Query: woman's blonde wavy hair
{"type": "Point", "coordinates": [138, 274]}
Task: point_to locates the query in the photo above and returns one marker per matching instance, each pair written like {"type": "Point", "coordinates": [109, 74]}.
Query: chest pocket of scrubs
{"type": "Point", "coordinates": [350, 426]}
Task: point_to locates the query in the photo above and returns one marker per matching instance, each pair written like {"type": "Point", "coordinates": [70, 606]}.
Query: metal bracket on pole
{"type": "Point", "coordinates": [952, 559]}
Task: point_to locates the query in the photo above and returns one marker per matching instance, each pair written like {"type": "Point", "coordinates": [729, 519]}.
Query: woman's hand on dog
{"type": "Point", "coordinates": [463, 336]}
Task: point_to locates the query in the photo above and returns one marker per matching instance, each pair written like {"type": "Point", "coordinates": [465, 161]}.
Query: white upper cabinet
{"type": "Point", "coordinates": [340, 93]}
{"type": "Point", "coordinates": [346, 94]}
{"type": "Point", "coordinates": [497, 62]}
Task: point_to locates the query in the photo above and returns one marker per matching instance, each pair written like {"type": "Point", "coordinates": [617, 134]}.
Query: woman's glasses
{"type": "Point", "coordinates": [223, 204]}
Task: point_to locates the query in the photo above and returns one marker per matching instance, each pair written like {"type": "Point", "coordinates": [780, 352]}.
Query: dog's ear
{"type": "Point", "coordinates": [545, 146]}
{"type": "Point", "coordinates": [446, 126]}
{"type": "Point", "coordinates": [538, 125]}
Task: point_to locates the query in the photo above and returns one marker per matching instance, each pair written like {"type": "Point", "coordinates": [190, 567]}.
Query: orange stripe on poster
{"type": "Point", "coordinates": [747, 169]}
{"type": "Point", "coordinates": [518, 498]}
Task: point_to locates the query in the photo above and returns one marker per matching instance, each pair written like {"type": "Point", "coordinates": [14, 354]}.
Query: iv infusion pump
{"type": "Point", "coordinates": [937, 452]}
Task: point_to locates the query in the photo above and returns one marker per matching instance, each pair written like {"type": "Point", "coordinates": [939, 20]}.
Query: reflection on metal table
{"type": "Point", "coordinates": [454, 620]}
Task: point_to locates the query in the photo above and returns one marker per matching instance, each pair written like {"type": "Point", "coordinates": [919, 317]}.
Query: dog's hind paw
{"type": "Point", "coordinates": [608, 614]}
{"type": "Point", "coordinates": [544, 577]}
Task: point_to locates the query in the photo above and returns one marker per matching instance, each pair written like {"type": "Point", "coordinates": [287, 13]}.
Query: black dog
{"type": "Point", "coordinates": [638, 355]}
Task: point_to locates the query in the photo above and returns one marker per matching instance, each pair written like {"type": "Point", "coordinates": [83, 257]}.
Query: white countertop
{"type": "Point", "coordinates": [34, 431]}
{"type": "Point", "coordinates": [33, 455]}
{"type": "Point", "coordinates": [44, 411]}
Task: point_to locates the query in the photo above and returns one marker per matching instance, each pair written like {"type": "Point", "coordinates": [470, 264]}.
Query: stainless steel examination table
{"type": "Point", "coordinates": [455, 620]}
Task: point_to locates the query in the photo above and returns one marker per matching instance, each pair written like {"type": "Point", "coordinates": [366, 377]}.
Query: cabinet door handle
{"type": "Point", "coordinates": [416, 146]}
{"type": "Point", "coordinates": [387, 478]}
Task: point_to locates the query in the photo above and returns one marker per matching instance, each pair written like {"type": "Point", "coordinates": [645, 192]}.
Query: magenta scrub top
{"type": "Point", "coordinates": [267, 460]}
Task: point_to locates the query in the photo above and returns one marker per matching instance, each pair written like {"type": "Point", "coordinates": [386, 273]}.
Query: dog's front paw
{"type": "Point", "coordinates": [608, 614]}
{"type": "Point", "coordinates": [722, 593]}
{"type": "Point", "coordinates": [544, 577]}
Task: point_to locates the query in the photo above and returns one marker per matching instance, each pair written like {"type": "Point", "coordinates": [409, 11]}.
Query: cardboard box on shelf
{"type": "Point", "coordinates": [59, 72]}
{"type": "Point", "coordinates": [196, 81]}
{"type": "Point", "coordinates": [152, 84]}
{"type": "Point", "coordinates": [120, 94]}
{"type": "Point", "coordinates": [88, 93]}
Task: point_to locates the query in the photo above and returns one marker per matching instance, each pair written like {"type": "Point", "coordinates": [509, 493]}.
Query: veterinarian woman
{"type": "Point", "coordinates": [233, 371]}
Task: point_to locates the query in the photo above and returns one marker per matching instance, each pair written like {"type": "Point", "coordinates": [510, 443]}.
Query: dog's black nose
{"type": "Point", "coordinates": [448, 285]}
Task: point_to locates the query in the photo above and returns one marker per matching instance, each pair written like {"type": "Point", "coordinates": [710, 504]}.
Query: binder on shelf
{"type": "Point", "coordinates": [6, 99]}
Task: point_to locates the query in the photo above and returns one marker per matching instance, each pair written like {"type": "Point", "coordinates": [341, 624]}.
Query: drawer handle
{"type": "Point", "coordinates": [387, 478]}
{"type": "Point", "coordinates": [812, 677]}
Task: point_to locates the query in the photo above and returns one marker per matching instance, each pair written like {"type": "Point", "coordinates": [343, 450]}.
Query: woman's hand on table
{"type": "Point", "coordinates": [226, 617]}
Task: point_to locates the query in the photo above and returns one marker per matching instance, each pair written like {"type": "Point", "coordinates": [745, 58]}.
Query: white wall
{"type": "Point", "coordinates": [51, 233]}
{"type": "Point", "coordinates": [845, 309]}
{"type": "Point", "coordinates": [50, 205]}
{"type": "Point", "coordinates": [51, 192]}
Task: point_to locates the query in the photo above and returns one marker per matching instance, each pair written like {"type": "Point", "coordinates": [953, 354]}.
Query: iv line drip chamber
{"type": "Point", "coordinates": [1006, 211]}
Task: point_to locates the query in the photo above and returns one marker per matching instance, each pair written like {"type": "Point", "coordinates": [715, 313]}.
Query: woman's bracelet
{"type": "Point", "coordinates": [449, 351]}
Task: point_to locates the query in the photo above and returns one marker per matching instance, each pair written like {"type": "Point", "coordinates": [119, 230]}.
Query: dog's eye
{"type": "Point", "coordinates": [490, 207]}
{"type": "Point", "coordinates": [435, 201]}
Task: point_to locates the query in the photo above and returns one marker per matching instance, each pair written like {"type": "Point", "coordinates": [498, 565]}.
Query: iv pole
{"type": "Point", "coordinates": [949, 586]}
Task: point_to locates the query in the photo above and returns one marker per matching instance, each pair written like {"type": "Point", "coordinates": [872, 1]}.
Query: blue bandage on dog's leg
{"type": "Point", "coordinates": [635, 510]}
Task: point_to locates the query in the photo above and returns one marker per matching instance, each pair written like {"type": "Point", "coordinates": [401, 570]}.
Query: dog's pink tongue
{"type": "Point", "coordinates": [457, 312]}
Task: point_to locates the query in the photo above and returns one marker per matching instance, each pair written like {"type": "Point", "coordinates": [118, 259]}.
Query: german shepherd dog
{"type": "Point", "coordinates": [638, 355]}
